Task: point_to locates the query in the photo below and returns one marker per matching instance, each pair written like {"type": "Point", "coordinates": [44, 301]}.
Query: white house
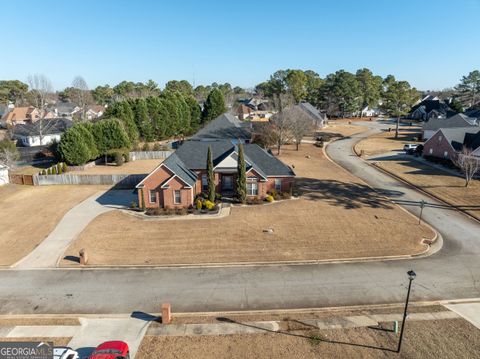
{"type": "Point", "coordinates": [41, 133]}
{"type": "Point", "coordinates": [369, 112]}
{"type": "Point", "coordinates": [3, 175]}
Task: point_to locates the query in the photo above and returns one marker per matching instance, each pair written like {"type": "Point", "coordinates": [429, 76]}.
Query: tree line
{"type": "Point", "coordinates": [343, 93]}
{"type": "Point", "coordinates": [170, 114]}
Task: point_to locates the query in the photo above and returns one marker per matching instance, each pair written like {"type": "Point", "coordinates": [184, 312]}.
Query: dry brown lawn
{"type": "Point", "coordinates": [132, 167]}
{"type": "Point", "coordinates": [386, 142]}
{"type": "Point", "coordinates": [343, 128]}
{"type": "Point", "coordinates": [449, 338]}
{"type": "Point", "coordinates": [30, 213]}
{"type": "Point", "coordinates": [338, 216]}
{"type": "Point", "coordinates": [441, 184]}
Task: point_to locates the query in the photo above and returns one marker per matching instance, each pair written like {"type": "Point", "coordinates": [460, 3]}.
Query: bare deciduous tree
{"type": "Point", "coordinates": [301, 124]}
{"type": "Point", "coordinates": [82, 95]}
{"type": "Point", "coordinates": [8, 157]}
{"type": "Point", "coordinates": [280, 124]}
{"type": "Point", "coordinates": [467, 163]}
{"type": "Point", "coordinates": [42, 90]}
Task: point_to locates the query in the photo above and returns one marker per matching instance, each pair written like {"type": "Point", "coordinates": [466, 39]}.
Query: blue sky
{"type": "Point", "coordinates": [429, 43]}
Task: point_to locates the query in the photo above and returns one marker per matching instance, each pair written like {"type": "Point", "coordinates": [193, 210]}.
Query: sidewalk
{"type": "Point", "coordinates": [49, 251]}
{"type": "Point", "coordinates": [227, 327]}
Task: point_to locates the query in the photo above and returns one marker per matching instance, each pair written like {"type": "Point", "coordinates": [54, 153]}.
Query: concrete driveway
{"type": "Point", "coordinates": [452, 273]}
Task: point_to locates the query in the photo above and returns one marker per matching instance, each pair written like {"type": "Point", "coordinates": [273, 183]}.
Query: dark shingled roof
{"type": "Point", "coordinates": [49, 127]}
{"type": "Point", "coordinates": [176, 165]}
{"type": "Point", "coordinates": [225, 126]}
{"type": "Point", "coordinates": [472, 140]}
{"type": "Point", "coordinates": [194, 155]}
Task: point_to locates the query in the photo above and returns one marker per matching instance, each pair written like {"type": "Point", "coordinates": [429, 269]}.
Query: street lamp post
{"type": "Point", "coordinates": [411, 277]}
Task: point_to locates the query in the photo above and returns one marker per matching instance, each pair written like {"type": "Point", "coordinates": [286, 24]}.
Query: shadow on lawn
{"type": "Point", "coordinates": [313, 338]}
{"type": "Point", "coordinates": [347, 195]}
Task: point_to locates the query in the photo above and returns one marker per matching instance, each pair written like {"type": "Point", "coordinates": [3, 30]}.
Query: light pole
{"type": "Point", "coordinates": [411, 277]}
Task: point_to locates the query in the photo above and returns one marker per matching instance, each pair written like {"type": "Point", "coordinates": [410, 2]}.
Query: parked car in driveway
{"type": "Point", "coordinates": [111, 350]}
{"type": "Point", "coordinates": [64, 353]}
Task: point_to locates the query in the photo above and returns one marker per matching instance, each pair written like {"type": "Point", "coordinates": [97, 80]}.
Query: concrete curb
{"type": "Point", "coordinates": [436, 243]}
{"type": "Point", "coordinates": [250, 312]}
{"type": "Point", "coordinates": [404, 181]}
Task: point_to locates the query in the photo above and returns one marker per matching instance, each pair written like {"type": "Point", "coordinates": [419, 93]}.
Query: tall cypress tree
{"type": "Point", "coordinates": [210, 176]}
{"type": "Point", "coordinates": [241, 176]}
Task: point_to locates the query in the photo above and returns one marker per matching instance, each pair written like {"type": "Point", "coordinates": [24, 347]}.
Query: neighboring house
{"type": "Point", "coordinates": [243, 111]}
{"type": "Point", "coordinates": [94, 112]}
{"type": "Point", "coordinates": [65, 109]}
{"type": "Point", "coordinates": [256, 104]}
{"type": "Point", "coordinates": [458, 120]}
{"type": "Point", "coordinates": [3, 175]}
{"type": "Point", "coordinates": [472, 141]}
{"type": "Point", "coordinates": [225, 127]}
{"type": "Point", "coordinates": [446, 142]}
{"type": "Point", "coordinates": [370, 112]}
{"type": "Point", "coordinates": [260, 116]}
{"type": "Point", "coordinates": [427, 109]}
{"type": "Point", "coordinates": [319, 119]}
{"type": "Point", "coordinates": [19, 115]}
{"type": "Point", "coordinates": [41, 133]}
{"type": "Point", "coordinates": [176, 181]}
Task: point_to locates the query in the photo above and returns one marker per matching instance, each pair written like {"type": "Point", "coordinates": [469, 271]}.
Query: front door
{"type": "Point", "coordinates": [227, 183]}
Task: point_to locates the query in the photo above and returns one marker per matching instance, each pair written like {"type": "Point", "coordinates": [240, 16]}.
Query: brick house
{"type": "Point", "coordinates": [446, 142]}
{"type": "Point", "coordinates": [176, 181]}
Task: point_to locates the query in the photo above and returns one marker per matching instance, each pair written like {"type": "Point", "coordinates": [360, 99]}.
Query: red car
{"type": "Point", "coordinates": [111, 350]}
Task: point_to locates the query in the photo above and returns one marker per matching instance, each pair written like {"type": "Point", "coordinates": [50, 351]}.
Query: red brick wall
{"type": "Point", "coordinates": [437, 145]}
{"type": "Point", "coordinates": [164, 197]}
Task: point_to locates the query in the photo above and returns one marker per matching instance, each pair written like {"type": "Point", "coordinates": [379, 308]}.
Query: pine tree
{"type": "Point", "coordinates": [241, 176]}
{"type": "Point", "coordinates": [210, 176]}
{"type": "Point", "coordinates": [214, 106]}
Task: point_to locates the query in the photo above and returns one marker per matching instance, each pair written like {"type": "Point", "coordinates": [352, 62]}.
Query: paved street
{"type": "Point", "coordinates": [452, 273]}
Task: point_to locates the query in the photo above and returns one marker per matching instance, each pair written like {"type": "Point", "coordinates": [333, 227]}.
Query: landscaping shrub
{"type": "Point", "coordinates": [157, 147]}
{"type": "Point", "coordinates": [49, 171]}
{"type": "Point", "coordinates": [254, 200]}
{"type": "Point", "coordinates": [54, 170]}
{"type": "Point", "coordinates": [319, 144]}
{"type": "Point", "coordinates": [198, 204]}
{"type": "Point", "coordinates": [119, 160]}
{"type": "Point", "coordinates": [181, 211]}
{"type": "Point", "coordinates": [146, 147]}
{"type": "Point", "coordinates": [209, 205]}
{"type": "Point", "coordinates": [64, 167]}
{"type": "Point", "coordinates": [59, 168]}
{"type": "Point", "coordinates": [218, 197]}
{"type": "Point", "coordinates": [286, 195]}
{"type": "Point", "coordinates": [133, 205]}
{"type": "Point", "coordinates": [169, 211]}
{"type": "Point", "coordinates": [269, 198]}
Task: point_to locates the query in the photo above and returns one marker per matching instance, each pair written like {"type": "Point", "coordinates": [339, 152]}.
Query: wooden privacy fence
{"type": "Point", "coordinates": [121, 181]}
{"type": "Point", "coordinates": [21, 179]}
{"type": "Point", "coordinates": [149, 155]}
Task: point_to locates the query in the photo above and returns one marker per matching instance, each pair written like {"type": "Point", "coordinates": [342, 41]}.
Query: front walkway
{"type": "Point", "coordinates": [49, 252]}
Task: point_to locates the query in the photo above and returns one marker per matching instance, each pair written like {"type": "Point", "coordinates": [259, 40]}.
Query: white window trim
{"type": "Point", "coordinates": [279, 187]}
{"type": "Point", "coordinates": [175, 196]}
{"type": "Point", "coordinates": [150, 192]}
{"type": "Point", "coordinates": [252, 183]}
